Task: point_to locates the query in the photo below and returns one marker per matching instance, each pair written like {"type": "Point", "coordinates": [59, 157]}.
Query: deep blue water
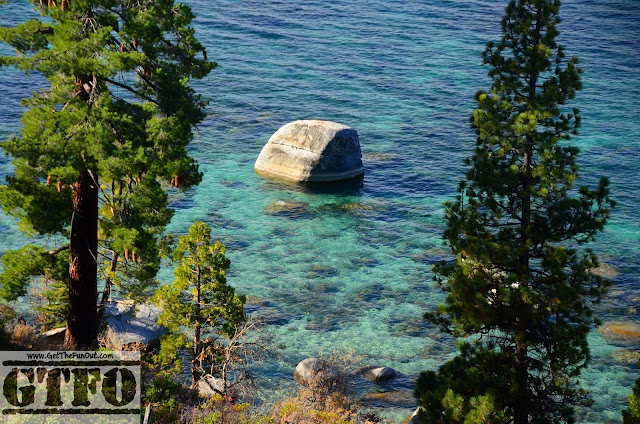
{"type": "Point", "coordinates": [403, 74]}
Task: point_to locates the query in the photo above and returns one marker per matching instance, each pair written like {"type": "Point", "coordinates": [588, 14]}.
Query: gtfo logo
{"type": "Point", "coordinates": [79, 391]}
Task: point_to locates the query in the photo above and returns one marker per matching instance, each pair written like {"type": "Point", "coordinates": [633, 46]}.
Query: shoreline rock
{"type": "Point", "coordinates": [316, 371]}
{"type": "Point", "coordinates": [209, 386]}
{"type": "Point", "coordinates": [133, 325]}
{"type": "Point", "coordinates": [51, 339]}
{"type": "Point", "coordinates": [413, 418]}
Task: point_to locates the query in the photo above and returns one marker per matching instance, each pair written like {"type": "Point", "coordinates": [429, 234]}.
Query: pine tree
{"type": "Point", "coordinates": [199, 301]}
{"type": "Point", "coordinates": [520, 289]}
{"type": "Point", "coordinates": [102, 145]}
{"type": "Point", "coordinates": [632, 414]}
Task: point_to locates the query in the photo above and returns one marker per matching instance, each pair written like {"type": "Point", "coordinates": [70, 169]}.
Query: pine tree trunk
{"type": "Point", "coordinates": [106, 293]}
{"type": "Point", "coordinates": [83, 267]}
{"type": "Point", "coordinates": [195, 370]}
{"type": "Point", "coordinates": [521, 412]}
{"type": "Point", "coordinates": [521, 405]}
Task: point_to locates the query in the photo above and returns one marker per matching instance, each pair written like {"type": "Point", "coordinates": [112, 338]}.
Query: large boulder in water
{"type": "Point", "coordinates": [312, 151]}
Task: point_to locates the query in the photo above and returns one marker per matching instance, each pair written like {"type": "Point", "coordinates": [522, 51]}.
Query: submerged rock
{"type": "Point", "coordinates": [625, 356]}
{"type": "Point", "coordinates": [605, 270]}
{"type": "Point", "coordinates": [412, 328]}
{"type": "Point", "coordinates": [219, 221]}
{"type": "Point", "coordinates": [324, 324]}
{"type": "Point", "coordinates": [364, 261]}
{"type": "Point", "coordinates": [398, 398]}
{"type": "Point", "coordinates": [316, 371]}
{"type": "Point", "coordinates": [312, 151]}
{"type": "Point", "coordinates": [255, 303]}
{"type": "Point", "coordinates": [271, 316]}
{"type": "Point", "coordinates": [293, 210]}
{"type": "Point", "coordinates": [233, 184]}
{"type": "Point", "coordinates": [232, 242]}
{"type": "Point", "coordinates": [621, 332]}
{"type": "Point", "coordinates": [378, 156]}
{"type": "Point", "coordinates": [373, 373]}
{"type": "Point", "coordinates": [350, 208]}
{"type": "Point", "coordinates": [323, 271]}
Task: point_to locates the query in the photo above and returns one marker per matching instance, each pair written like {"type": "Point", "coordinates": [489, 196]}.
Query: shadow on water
{"type": "Point", "coordinates": [350, 187]}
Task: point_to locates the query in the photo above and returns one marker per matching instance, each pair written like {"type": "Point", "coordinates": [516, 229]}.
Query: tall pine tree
{"type": "Point", "coordinates": [102, 144]}
{"type": "Point", "coordinates": [199, 308]}
{"type": "Point", "coordinates": [520, 288]}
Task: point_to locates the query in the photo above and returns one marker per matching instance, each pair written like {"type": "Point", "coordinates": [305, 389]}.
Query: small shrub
{"type": "Point", "coordinates": [7, 317]}
{"type": "Point", "coordinates": [325, 401]}
{"type": "Point", "coordinates": [163, 392]}
{"type": "Point", "coordinates": [112, 341]}
{"type": "Point", "coordinates": [221, 410]}
{"type": "Point", "coordinates": [287, 409]}
{"type": "Point", "coordinates": [24, 336]}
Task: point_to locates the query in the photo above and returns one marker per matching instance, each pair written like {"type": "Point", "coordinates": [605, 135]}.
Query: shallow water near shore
{"type": "Point", "coordinates": [351, 268]}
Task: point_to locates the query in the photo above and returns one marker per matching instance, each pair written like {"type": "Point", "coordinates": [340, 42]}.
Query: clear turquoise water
{"type": "Point", "coordinates": [403, 74]}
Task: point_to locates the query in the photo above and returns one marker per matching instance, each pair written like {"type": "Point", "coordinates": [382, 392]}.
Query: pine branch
{"type": "Point", "coordinates": [126, 87]}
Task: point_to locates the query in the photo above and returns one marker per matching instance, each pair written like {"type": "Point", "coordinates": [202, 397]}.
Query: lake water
{"type": "Point", "coordinates": [352, 270]}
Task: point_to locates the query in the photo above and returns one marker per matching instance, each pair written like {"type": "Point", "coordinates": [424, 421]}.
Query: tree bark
{"type": "Point", "coordinates": [197, 356]}
{"type": "Point", "coordinates": [106, 293]}
{"type": "Point", "coordinates": [83, 267]}
{"type": "Point", "coordinates": [523, 398]}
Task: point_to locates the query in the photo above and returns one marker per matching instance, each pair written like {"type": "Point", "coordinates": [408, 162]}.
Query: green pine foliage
{"type": "Point", "coordinates": [30, 262]}
{"type": "Point", "coordinates": [632, 414]}
{"type": "Point", "coordinates": [19, 266]}
{"type": "Point", "coordinates": [52, 311]}
{"type": "Point", "coordinates": [199, 308]}
{"type": "Point", "coordinates": [118, 113]}
{"type": "Point", "coordinates": [520, 289]}
{"type": "Point", "coordinates": [162, 392]}
{"type": "Point", "coordinates": [466, 389]}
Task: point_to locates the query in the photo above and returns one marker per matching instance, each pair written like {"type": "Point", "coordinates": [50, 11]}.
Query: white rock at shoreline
{"type": "Point", "coordinates": [129, 325]}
